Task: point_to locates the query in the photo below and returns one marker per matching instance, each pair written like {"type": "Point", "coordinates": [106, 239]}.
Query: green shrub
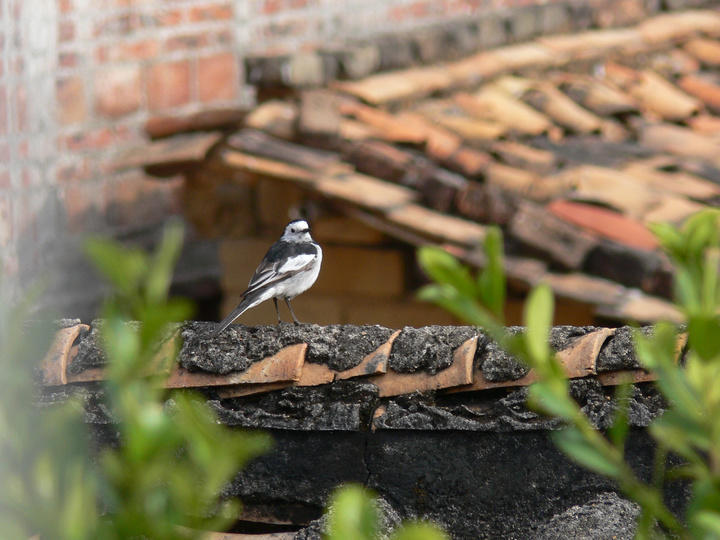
{"type": "Point", "coordinates": [690, 427]}
{"type": "Point", "coordinates": [174, 457]}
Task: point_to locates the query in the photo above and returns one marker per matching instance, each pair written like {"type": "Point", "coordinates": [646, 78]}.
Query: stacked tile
{"type": "Point", "coordinates": [573, 144]}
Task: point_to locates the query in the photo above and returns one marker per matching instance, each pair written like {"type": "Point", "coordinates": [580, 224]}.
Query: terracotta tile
{"type": "Point", "coordinates": [605, 223]}
{"type": "Point", "coordinates": [469, 162]}
{"type": "Point", "coordinates": [471, 130]}
{"type": "Point", "coordinates": [702, 89]}
{"type": "Point", "coordinates": [673, 209]}
{"type": "Point", "coordinates": [526, 55]}
{"type": "Point", "coordinates": [705, 50]}
{"type": "Point", "coordinates": [678, 183]}
{"type": "Point", "coordinates": [177, 150]}
{"type": "Point", "coordinates": [667, 27]}
{"type": "Point", "coordinates": [594, 42]}
{"type": "Point", "coordinates": [286, 365]}
{"type": "Point", "coordinates": [365, 191]}
{"type": "Point", "coordinates": [458, 374]}
{"type": "Point", "coordinates": [526, 183]}
{"type": "Point", "coordinates": [662, 98]}
{"type": "Point", "coordinates": [644, 309]}
{"type": "Point", "coordinates": [470, 71]}
{"type": "Point", "coordinates": [278, 118]}
{"type": "Point", "coordinates": [267, 167]}
{"type": "Point", "coordinates": [394, 86]}
{"type": "Point", "coordinates": [261, 144]}
{"type": "Point", "coordinates": [389, 126]}
{"type": "Point", "coordinates": [440, 143]}
{"type": "Point", "coordinates": [679, 141]}
{"type": "Point", "coordinates": [541, 231]}
{"type": "Point", "coordinates": [563, 110]}
{"type": "Point", "coordinates": [585, 288]}
{"type": "Point", "coordinates": [601, 98]}
{"type": "Point", "coordinates": [612, 188]}
{"type": "Point", "coordinates": [158, 127]}
{"type": "Point", "coordinates": [54, 365]}
{"type": "Point", "coordinates": [705, 124]}
{"type": "Point", "coordinates": [516, 154]}
{"type": "Point", "coordinates": [495, 105]}
{"type": "Point", "coordinates": [437, 226]}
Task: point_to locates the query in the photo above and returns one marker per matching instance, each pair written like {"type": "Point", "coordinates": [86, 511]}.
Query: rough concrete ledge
{"type": "Point", "coordinates": [410, 413]}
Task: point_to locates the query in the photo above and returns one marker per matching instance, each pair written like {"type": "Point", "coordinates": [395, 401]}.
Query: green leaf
{"type": "Point", "coordinates": [491, 281]}
{"type": "Point", "coordinates": [538, 321]}
{"type": "Point", "coordinates": [578, 448]}
{"type": "Point", "coordinates": [704, 336]}
{"type": "Point", "coordinates": [123, 267]}
{"type": "Point", "coordinates": [445, 269]}
{"type": "Point", "coordinates": [161, 270]}
{"type": "Point", "coordinates": [551, 397]}
{"type": "Point", "coordinates": [353, 514]}
{"type": "Point", "coordinates": [419, 531]}
{"type": "Point", "coordinates": [619, 429]}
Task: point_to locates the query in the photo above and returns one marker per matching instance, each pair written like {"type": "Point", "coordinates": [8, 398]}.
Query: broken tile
{"type": "Point", "coordinates": [458, 374]}
{"type": "Point", "coordinates": [54, 365]}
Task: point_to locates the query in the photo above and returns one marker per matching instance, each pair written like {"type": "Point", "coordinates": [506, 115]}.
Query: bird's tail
{"type": "Point", "coordinates": [246, 303]}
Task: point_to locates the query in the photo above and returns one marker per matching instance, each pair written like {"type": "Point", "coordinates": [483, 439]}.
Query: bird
{"type": "Point", "coordinates": [289, 268]}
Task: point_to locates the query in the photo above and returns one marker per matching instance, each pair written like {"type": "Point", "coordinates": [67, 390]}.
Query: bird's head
{"type": "Point", "coordinates": [297, 231]}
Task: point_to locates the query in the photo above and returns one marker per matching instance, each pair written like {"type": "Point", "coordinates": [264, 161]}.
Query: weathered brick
{"type": "Point", "coordinates": [118, 91]}
{"type": "Point", "coordinates": [83, 204]}
{"type": "Point", "coordinates": [66, 31]}
{"type": "Point", "coordinates": [134, 200]}
{"type": "Point", "coordinates": [71, 100]}
{"type": "Point", "coordinates": [168, 84]}
{"type": "Point", "coordinates": [97, 139]}
{"type": "Point", "coordinates": [6, 220]}
{"type": "Point", "coordinates": [211, 12]}
{"type": "Point", "coordinates": [217, 77]}
{"type": "Point", "coordinates": [19, 101]}
{"type": "Point", "coordinates": [187, 42]}
{"type": "Point", "coordinates": [136, 50]}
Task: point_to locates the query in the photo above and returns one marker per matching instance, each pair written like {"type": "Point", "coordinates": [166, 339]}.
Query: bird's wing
{"type": "Point", "coordinates": [272, 271]}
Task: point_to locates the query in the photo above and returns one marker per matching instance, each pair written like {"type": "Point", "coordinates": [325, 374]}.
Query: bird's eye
{"type": "Point", "coordinates": [292, 230]}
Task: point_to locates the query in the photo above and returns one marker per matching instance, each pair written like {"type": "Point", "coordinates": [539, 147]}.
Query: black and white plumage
{"type": "Point", "coordinates": [290, 267]}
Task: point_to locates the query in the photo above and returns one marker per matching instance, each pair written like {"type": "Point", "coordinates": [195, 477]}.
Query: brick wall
{"type": "Point", "coordinates": [80, 78]}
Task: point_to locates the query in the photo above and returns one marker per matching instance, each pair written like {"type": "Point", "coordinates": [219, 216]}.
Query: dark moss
{"type": "Point", "coordinates": [618, 351]}
{"type": "Point", "coordinates": [429, 348]}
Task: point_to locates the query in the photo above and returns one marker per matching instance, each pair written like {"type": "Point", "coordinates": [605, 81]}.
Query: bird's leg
{"type": "Point", "coordinates": [277, 310]}
{"type": "Point", "coordinates": [291, 311]}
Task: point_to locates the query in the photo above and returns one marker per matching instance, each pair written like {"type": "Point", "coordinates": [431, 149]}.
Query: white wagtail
{"type": "Point", "coordinates": [290, 267]}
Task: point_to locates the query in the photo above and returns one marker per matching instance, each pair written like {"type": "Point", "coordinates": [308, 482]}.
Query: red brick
{"type": "Point", "coordinates": [70, 95]}
{"type": "Point", "coordinates": [169, 18]}
{"type": "Point", "coordinates": [83, 202]}
{"type": "Point", "coordinates": [3, 110]}
{"type": "Point", "coordinates": [168, 85]}
{"type": "Point", "coordinates": [118, 91]}
{"type": "Point", "coordinates": [135, 199]}
{"type": "Point", "coordinates": [6, 225]}
{"type": "Point", "coordinates": [68, 59]}
{"type": "Point", "coordinates": [65, 6]}
{"type": "Point", "coordinates": [136, 50]}
{"type": "Point", "coordinates": [75, 170]}
{"type": "Point", "coordinates": [98, 139]}
{"type": "Point", "coordinates": [273, 6]}
{"type": "Point", "coordinates": [187, 42]}
{"type": "Point", "coordinates": [217, 77]}
{"type": "Point", "coordinates": [5, 181]}
{"type": "Point", "coordinates": [20, 104]}
{"type": "Point", "coordinates": [211, 12]}
{"type": "Point", "coordinates": [66, 31]}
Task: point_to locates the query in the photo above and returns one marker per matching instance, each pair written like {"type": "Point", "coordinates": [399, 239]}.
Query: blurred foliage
{"type": "Point", "coordinates": [353, 514]}
{"type": "Point", "coordinates": [164, 479]}
{"type": "Point", "coordinates": [690, 427]}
